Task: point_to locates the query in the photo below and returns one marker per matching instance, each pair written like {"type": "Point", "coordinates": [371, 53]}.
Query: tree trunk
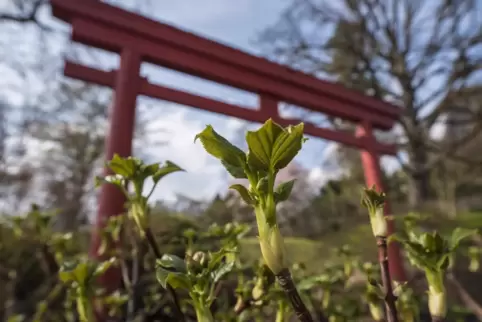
{"type": "Point", "coordinates": [419, 178]}
{"type": "Point", "coordinates": [419, 189]}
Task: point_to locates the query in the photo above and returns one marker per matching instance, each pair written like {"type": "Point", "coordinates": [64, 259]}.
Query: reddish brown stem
{"type": "Point", "coordinates": [49, 259]}
{"type": "Point", "coordinates": [157, 252]}
{"type": "Point", "coordinates": [246, 304]}
{"type": "Point", "coordinates": [386, 280]}
{"type": "Point", "coordinates": [286, 282]}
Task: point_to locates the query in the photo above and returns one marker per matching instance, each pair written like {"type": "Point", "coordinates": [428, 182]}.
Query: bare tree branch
{"type": "Point", "coordinates": [419, 55]}
{"type": "Point", "coordinates": [25, 11]}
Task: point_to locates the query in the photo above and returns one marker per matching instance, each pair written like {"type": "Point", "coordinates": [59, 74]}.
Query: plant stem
{"type": "Point", "coordinates": [52, 297]}
{"type": "Point", "coordinates": [286, 282]}
{"type": "Point", "coordinates": [203, 314]}
{"type": "Point", "coordinates": [437, 319]}
{"type": "Point", "coordinates": [157, 252]}
{"type": "Point", "coordinates": [49, 259]}
{"type": "Point", "coordinates": [386, 279]}
{"type": "Point", "coordinates": [319, 314]}
{"type": "Point", "coordinates": [280, 314]}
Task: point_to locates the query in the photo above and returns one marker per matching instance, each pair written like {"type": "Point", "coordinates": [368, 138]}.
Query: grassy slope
{"type": "Point", "coordinates": [314, 253]}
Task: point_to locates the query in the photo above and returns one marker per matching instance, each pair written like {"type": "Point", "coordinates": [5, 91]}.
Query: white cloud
{"type": "Point", "coordinates": [319, 176]}
{"type": "Point", "coordinates": [204, 174]}
{"type": "Point", "coordinates": [389, 164]}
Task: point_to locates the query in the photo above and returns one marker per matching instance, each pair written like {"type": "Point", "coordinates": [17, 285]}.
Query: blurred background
{"type": "Point", "coordinates": [423, 56]}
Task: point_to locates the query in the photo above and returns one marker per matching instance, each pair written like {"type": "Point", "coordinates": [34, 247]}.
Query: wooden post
{"type": "Point", "coordinates": [373, 176]}
{"type": "Point", "coordinates": [118, 140]}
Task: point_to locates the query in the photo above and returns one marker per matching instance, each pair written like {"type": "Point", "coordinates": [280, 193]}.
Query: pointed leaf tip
{"type": "Point", "coordinates": [232, 157]}
{"type": "Point", "coordinates": [168, 168]}
{"type": "Point", "coordinates": [460, 234]}
{"type": "Point", "coordinates": [283, 191]}
{"type": "Point", "coordinates": [372, 199]}
{"type": "Point", "coordinates": [125, 167]}
{"type": "Point", "coordinates": [273, 146]}
{"type": "Point", "coordinates": [287, 146]}
{"type": "Point", "coordinates": [244, 193]}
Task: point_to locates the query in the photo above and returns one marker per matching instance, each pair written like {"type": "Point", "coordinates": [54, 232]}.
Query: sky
{"type": "Point", "coordinates": [235, 24]}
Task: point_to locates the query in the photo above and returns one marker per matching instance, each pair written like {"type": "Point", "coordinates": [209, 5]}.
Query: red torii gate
{"type": "Point", "coordinates": [138, 39]}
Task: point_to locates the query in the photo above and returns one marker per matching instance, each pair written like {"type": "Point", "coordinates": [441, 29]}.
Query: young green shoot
{"type": "Point", "coordinates": [270, 149]}
{"type": "Point", "coordinates": [432, 253]}
{"type": "Point", "coordinates": [407, 302]}
{"type": "Point", "coordinates": [198, 275]}
{"type": "Point", "coordinates": [133, 171]}
{"type": "Point", "coordinates": [79, 277]}
{"type": "Point", "coordinates": [374, 293]}
{"type": "Point", "coordinates": [375, 201]}
{"type": "Point", "coordinates": [37, 225]}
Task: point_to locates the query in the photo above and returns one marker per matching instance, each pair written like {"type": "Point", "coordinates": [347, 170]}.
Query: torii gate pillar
{"type": "Point", "coordinates": [373, 177]}
{"type": "Point", "coordinates": [119, 140]}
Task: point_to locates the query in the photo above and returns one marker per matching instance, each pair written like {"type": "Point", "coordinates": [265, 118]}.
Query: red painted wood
{"type": "Point", "coordinates": [98, 36]}
{"type": "Point", "coordinates": [119, 140]}
{"type": "Point", "coordinates": [142, 27]}
{"type": "Point", "coordinates": [373, 177]}
{"type": "Point", "coordinates": [268, 107]}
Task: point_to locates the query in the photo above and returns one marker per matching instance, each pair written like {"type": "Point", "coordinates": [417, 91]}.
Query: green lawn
{"type": "Point", "coordinates": [314, 253]}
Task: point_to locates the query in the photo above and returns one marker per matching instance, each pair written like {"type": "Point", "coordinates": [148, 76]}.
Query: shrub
{"type": "Point", "coordinates": [200, 275]}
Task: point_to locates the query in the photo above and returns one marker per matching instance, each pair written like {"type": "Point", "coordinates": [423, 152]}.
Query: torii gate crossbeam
{"type": "Point", "coordinates": [138, 39]}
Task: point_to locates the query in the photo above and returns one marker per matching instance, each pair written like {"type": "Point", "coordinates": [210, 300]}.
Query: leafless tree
{"type": "Point", "coordinates": [24, 11]}
{"type": "Point", "coordinates": [419, 55]}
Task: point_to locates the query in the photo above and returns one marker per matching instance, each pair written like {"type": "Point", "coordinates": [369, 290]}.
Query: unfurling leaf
{"type": "Point", "coordinates": [262, 186]}
{"type": "Point", "coordinates": [244, 193]}
{"type": "Point", "coordinates": [235, 171]}
{"type": "Point", "coordinates": [460, 234]}
{"type": "Point", "coordinates": [172, 262]}
{"type": "Point", "coordinates": [126, 167]}
{"type": "Point", "coordinates": [417, 255]}
{"type": "Point", "coordinates": [222, 270]}
{"type": "Point", "coordinates": [216, 258]}
{"type": "Point", "coordinates": [115, 179]}
{"type": "Point", "coordinates": [174, 279]}
{"type": "Point", "coordinates": [81, 272]}
{"type": "Point", "coordinates": [103, 267]}
{"type": "Point", "coordinates": [272, 147]}
{"type": "Point", "coordinates": [443, 262]}
{"type": "Point", "coordinates": [261, 143]}
{"type": "Point", "coordinates": [287, 146]}
{"type": "Point", "coordinates": [283, 191]}
{"type": "Point", "coordinates": [233, 158]}
{"type": "Point", "coordinates": [166, 169]}
{"type": "Point", "coordinates": [373, 200]}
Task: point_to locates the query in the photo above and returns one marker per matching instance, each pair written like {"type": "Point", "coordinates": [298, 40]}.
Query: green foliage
{"type": "Point", "coordinates": [205, 266]}
{"type": "Point", "coordinates": [375, 201]}
{"type": "Point", "coordinates": [80, 276]}
{"type": "Point", "coordinates": [133, 170]}
{"type": "Point", "coordinates": [233, 158]}
{"type": "Point", "coordinates": [270, 149]}
{"type": "Point", "coordinates": [433, 253]}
